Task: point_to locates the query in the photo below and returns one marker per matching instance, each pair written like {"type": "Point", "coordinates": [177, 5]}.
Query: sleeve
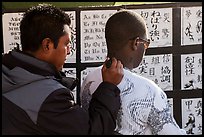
{"type": "Point", "coordinates": [59, 114]}
{"type": "Point", "coordinates": [104, 106]}
{"type": "Point", "coordinates": [89, 86]}
{"type": "Point", "coordinates": [85, 94]}
{"type": "Point", "coordinates": [160, 118]}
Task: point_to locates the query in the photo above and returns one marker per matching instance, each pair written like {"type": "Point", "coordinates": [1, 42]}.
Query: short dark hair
{"type": "Point", "coordinates": [42, 21]}
{"type": "Point", "coordinates": [121, 26]}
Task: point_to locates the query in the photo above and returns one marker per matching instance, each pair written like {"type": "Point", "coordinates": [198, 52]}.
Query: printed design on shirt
{"type": "Point", "coordinates": [119, 120]}
{"type": "Point", "coordinates": [127, 89]}
{"type": "Point", "coordinates": [158, 118]}
{"type": "Point", "coordinates": [138, 110]}
{"type": "Point", "coordinates": [132, 118]}
{"type": "Point", "coordinates": [86, 96]}
{"type": "Point", "coordinates": [162, 95]}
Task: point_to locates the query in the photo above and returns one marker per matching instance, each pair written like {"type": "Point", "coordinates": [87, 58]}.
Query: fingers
{"type": "Point", "coordinates": [120, 66]}
{"type": "Point", "coordinates": [114, 73]}
{"type": "Point", "coordinates": [117, 64]}
{"type": "Point", "coordinates": [114, 64]}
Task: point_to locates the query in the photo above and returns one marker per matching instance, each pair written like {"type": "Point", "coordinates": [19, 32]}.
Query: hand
{"type": "Point", "coordinates": [114, 74]}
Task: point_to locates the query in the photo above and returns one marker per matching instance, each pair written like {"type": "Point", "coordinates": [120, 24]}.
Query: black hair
{"type": "Point", "coordinates": [39, 22]}
{"type": "Point", "coordinates": [122, 26]}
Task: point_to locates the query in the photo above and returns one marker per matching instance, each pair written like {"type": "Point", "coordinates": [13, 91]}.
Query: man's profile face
{"type": "Point", "coordinates": [140, 52]}
{"type": "Point", "coordinates": [63, 49]}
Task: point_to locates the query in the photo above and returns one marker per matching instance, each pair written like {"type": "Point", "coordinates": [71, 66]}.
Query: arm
{"type": "Point", "coordinates": [109, 98]}
{"type": "Point", "coordinates": [60, 116]}
{"type": "Point", "coordinates": [160, 119]}
{"type": "Point", "coordinates": [103, 109]}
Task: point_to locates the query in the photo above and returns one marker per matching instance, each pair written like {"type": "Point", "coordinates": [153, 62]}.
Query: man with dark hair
{"type": "Point", "coordinates": [36, 95]}
{"type": "Point", "coordinates": [144, 107]}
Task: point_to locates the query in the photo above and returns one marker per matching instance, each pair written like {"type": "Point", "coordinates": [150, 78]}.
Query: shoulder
{"type": "Point", "coordinates": [94, 73]}
{"type": "Point", "coordinates": [59, 99]}
{"type": "Point", "coordinates": [61, 94]}
{"type": "Point", "coordinates": [140, 80]}
{"type": "Point", "coordinates": [139, 83]}
{"type": "Point", "coordinates": [92, 80]}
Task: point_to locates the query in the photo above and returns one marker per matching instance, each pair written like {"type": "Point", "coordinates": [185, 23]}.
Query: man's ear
{"type": "Point", "coordinates": [134, 44]}
{"type": "Point", "coordinates": [47, 44]}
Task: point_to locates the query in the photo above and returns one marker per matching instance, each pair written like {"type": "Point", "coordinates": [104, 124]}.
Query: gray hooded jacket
{"type": "Point", "coordinates": [36, 99]}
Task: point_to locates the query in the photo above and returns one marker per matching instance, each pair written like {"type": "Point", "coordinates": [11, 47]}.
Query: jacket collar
{"type": "Point", "coordinates": [30, 63]}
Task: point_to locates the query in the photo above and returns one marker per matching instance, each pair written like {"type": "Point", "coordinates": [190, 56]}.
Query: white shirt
{"type": "Point", "coordinates": [144, 107]}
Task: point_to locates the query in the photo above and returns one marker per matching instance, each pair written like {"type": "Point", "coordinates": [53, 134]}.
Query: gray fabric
{"type": "Point", "coordinates": [27, 90]}
{"type": "Point", "coordinates": [7, 83]}
{"type": "Point", "coordinates": [32, 61]}
{"type": "Point", "coordinates": [17, 77]}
